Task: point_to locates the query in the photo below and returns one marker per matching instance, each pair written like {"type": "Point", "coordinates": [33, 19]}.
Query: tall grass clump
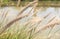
{"type": "Point", "coordinates": [32, 28]}
{"type": "Point", "coordinates": [7, 32]}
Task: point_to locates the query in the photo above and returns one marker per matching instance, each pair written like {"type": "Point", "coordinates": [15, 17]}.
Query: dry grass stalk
{"type": "Point", "coordinates": [47, 15]}
{"type": "Point", "coordinates": [51, 24]}
{"type": "Point", "coordinates": [32, 26]}
{"type": "Point", "coordinates": [26, 8]}
{"type": "Point", "coordinates": [52, 19]}
{"type": "Point", "coordinates": [30, 10]}
{"type": "Point", "coordinates": [30, 13]}
{"type": "Point", "coordinates": [11, 22]}
{"type": "Point", "coordinates": [21, 11]}
{"type": "Point", "coordinates": [32, 18]}
{"type": "Point", "coordinates": [38, 20]}
{"type": "Point", "coordinates": [43, 18]}
{"type": "Point", "coordinates": [51, 28]}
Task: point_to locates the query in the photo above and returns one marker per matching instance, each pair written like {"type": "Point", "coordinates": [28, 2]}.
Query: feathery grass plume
{"type": "Point", "coordinates": [26, 23]}
{"type": "Point", "coordinates": [10, 23]}
{"type": "Point", "coordinates": [33, 21]}
{"type": "Point", "coordinates": [38, 20]}
{"type": "Point", "coordinates": [47, 26]}
{"type": "Point", "coordinates": [30, 33]}
{"type": "Point", "coordinates": [30, 26]}
{"type": "Point", "coordinates": [43, 18]}
{"type": "Point", "coordinates": [51, 24]}
{"type": "Point", "coordinates": [29, 20]}
{"type": "Point", "coordinates": [21, 11]}
{"type": "Point", "coordinates": [28, 12]}
{"type": "Point", "coordinates": [34, 34]}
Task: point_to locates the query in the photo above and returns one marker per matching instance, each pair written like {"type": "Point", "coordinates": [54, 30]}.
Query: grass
{"type": "Point", "coordinates": [21, 33]}
{"type": "Point", "coordinates": [27, 30]}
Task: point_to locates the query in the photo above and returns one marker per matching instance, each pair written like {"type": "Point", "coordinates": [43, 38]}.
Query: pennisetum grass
{"type": "Point", "coordinates": [28, 29]}
{"type": "Point", "coordinates": [10, 23]}
{"type": "Point", "coordinates": [51, 24]}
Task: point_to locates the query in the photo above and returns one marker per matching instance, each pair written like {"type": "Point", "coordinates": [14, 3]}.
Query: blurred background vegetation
{"type": "Point", "coordinates": [25, 2]}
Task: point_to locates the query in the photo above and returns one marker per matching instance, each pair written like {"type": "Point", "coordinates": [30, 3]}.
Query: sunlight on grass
{"type": "Point", "coordinates": [29, 29]}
